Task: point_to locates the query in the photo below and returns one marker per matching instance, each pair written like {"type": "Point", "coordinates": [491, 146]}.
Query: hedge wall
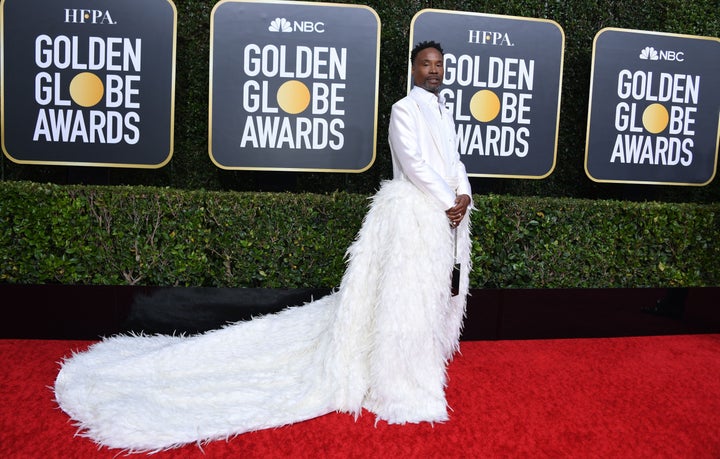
{"type": "Point", "coordinates": [191, 167]}
{"type": "Point", "coordinates": [160, 236]}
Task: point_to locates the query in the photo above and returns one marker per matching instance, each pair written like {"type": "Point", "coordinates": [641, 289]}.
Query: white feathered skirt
{"type": "Point", "coordinates": [380, 342]}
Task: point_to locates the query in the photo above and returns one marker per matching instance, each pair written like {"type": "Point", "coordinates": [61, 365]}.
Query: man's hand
{"type": "Point", "coordinates": [457, 212]}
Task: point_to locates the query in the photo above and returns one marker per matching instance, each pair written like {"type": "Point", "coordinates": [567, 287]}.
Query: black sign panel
{"type": "Point", "coordinates": [294, 86]}
{"type": "Point", "coordinates": [654, 114]}
{"type": "Point", "coordinates": [91, 86]}
{"type": "Point", "coordinates": [502, 81]}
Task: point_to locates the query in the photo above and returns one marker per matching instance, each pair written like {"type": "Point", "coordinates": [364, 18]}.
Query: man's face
{"type": "Point", "coordinates": [427, 71]}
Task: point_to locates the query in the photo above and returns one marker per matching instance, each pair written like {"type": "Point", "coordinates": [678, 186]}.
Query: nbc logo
{"type": "Point", "coordinates": [283, 25]}
{"type": "Point", "coordinates": [649, 53]}
{"type": "Point", "coordinates": [280, 25]}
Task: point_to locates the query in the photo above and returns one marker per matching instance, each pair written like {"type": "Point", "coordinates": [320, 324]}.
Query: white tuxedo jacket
{"type": "Point", "coordinates": [420, 154]}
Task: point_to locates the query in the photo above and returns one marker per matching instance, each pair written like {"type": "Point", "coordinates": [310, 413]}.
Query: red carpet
{"type": "Point", "coordinates": [641, 397]}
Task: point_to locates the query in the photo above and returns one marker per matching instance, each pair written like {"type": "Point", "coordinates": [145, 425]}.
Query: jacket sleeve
{"type": "Point", "coordinates": [407, 152]}
{"type": "Point", "coordinates": [464, 181]}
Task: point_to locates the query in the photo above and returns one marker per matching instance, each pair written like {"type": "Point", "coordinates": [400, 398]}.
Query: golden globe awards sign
{"type": "Point", "coordinates": [654, 112]}
{"type": "Point", "coordinates": [88, 83]}
{"type": "Point", "coordinates": [293, 86]}
{"type": "Point", "coordinates": [502, 83]}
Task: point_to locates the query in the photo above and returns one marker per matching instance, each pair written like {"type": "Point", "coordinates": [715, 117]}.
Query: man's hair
{"type": "Point", "coordinates": [424, 45]}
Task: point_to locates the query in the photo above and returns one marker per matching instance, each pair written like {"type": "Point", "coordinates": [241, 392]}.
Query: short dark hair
{"type": "Point", "coordinates": [424, 45]}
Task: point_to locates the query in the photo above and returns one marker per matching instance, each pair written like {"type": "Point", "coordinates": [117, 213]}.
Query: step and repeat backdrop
{"type": "Point", "coordinates": [653, 115]}
{"type": "Point", "coordinates": [294, 87]}
{"type": "Point", "coordinates": [88, 87]}
{"type": "Point", "coordinates": [502, 80]}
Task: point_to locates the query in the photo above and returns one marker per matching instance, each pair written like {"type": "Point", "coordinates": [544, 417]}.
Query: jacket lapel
{"type": "Point", "coordinates": [430, 121]}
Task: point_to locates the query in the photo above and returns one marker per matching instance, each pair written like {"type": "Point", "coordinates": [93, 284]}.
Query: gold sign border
{"type": "Point", "coordinates": [562, 66]}
{"type": "Point", "coordinates": [89, 163]}
{"type": "Point", "coordinates": [377, 85]}
{"type": "Point", "coordinates": [589, 111]}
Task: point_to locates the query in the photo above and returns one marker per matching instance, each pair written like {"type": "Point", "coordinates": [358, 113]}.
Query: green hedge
{"type": "Point", "coordinates": [163, 236]}
{"type": "Point", "coordinates": [561, 242]}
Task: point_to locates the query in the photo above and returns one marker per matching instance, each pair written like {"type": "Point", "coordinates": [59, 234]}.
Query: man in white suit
{"type": "Point", "coordinates": [381, 342]}
{"type": "Point", "coordinates": [418, 319]}
{"type": "Point", "coordinates": [422, 137]}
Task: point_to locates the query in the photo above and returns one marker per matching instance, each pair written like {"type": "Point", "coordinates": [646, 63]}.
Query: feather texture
{"type": "Point", "coordinates": [380, 342]}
